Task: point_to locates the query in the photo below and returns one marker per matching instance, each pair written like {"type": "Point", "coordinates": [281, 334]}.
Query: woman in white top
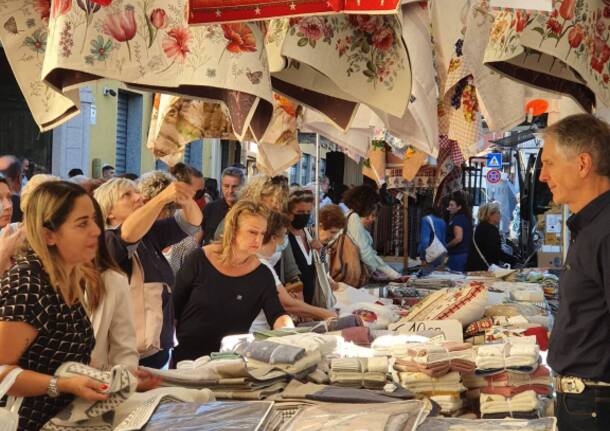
{"type": "Point", "coordinates": [112, 320]}
{"type": "Point", "coordinates": [362, 202]}
{"type": "Point", "coordinates": [269, 254]}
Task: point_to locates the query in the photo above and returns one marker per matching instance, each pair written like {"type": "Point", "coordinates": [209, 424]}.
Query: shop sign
{"type": "Point", "coordinates": [218, 11]}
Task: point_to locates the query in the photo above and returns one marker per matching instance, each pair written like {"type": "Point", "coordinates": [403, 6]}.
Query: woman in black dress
{"type": "Point", "coordinates": [43, 317]}
{"type": "Point", "coordinates": [486, 247]}
{"type": "Point", "coordinates": [222, 287]}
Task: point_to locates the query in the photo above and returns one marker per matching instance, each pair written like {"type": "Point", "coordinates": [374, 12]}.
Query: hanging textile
{"type": "Point", "coordinates": [215, 11]}
{"type": "Point", "coordinates": [176, 122]}
{"type": "Point", "coordinates": [155, 50]}
{"type": "Point", "coordinates": [279, 147]}
{"type": "Point", "coordinates": [458, 110]}
{"type": "Point", "coordinates": [333, 63]}
{"type": "Point", "coordinates": [418, 126]}
{"type": "Point", "coordinates": [500, 99]}
{"type": "Point", "coordinates": [24, 37]}
{"type": "Point", "coordinates": [566, 51]}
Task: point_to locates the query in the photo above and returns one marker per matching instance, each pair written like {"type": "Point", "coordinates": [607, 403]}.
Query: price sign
{"type": "Point", "coordinates": [451, 329]}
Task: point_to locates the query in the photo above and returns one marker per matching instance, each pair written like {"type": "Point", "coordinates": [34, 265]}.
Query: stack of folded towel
{"type": "Point", "coordinates": [437, 360]}
{"type": "Point", "coordinates": [525, 405]}
{"type": "Point", "coordinates": [509, 384]}
{"type": "Point", "coordinates": [444, 390]}
{"type": "Point", "coordinates": [394, 345]}
{"type": "Point", "coordinates": [516, 357]}
{"type": "Point", "coordinates": [421, 383]}
{"type": "Point", "coordinates": [370, 373]}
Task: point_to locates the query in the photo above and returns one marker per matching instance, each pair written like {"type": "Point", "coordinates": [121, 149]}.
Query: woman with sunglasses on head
{"type": "Point", "coordinates": [45, 299]}
{"type": "Point", "coordinates": [222, 287]}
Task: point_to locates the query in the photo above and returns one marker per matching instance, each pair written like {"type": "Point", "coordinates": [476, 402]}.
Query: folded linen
{"type": "Point", "coordinates": [311, 342]}
{"type": "Point", "coordinates": [524, 402]}
{"type": "Point", "coordinates": [357, 335]}
{"type": "Point", "coordinates": [449, 403]}
{"type": "Point", "coordinates": [273, 353]}
{"type": "Point", "coordinates": [419, 382]}
{"type": "Point", "coordinates": [517, 357]}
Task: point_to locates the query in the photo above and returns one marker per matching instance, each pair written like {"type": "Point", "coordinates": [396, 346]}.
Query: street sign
{"type": "Point", "coordinates": [494, 160]}
{"type": "Point", "coordinates": [493, 176]}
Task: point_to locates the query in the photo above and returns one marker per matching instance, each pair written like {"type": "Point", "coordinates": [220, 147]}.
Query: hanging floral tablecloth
{"type": "Point", "coordinates": [149, 45]}
{"type": "Point", "coordinates": [24, 35]}
{"type": "Point", "coordinates": [500, 99]}
{"type": "Point", "coordinates": [214, 11]}
{"type": "Point", "coordinates": [333, 63]}
{"type": "Point", "coordinates": [176, 122]}
{"type": "Point", "coordinates": [458, 109]}
{"type": "Point", "coordinates": [279, 148]}
{"type": "Point", "coordinates": [418, 126]}
{"type": "Point", "coordinates": [566, 51]}
{"type": "Point", "coordinates": [355, 141]}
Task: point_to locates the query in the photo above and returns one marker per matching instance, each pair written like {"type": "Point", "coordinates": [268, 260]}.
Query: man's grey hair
{"type": "Point", "coordinates": [234, 172]}
{"type": "Point", "coordinates": [583, 133]}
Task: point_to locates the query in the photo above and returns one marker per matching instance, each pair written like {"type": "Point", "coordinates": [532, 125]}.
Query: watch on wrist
{"type": "Point", "coordinates": [52, 390]}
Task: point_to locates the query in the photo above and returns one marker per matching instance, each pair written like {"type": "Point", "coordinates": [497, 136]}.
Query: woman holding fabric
{"type": "Point", "coordinates": [44, 301]}
{"type": "Point", "coordinates": [362, 202]}
{"type": "Point", "coordinates": [459, 232]}
{"type": "Point", "coordinates": [486, 248]}
{"type": "Point", "coordinates": [136, 239]}
{"type": "Point", "coordinates": [223, 286]}
{"type": "Point", "coordinates": [269, 255]}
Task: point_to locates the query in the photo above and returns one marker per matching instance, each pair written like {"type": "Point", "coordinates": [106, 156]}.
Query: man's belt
{"type": "Point", "coordinates": [575, 385]}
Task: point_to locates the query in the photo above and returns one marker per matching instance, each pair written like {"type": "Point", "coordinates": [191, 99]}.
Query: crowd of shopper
{"type": "Point", "coordinates": [112, 271]}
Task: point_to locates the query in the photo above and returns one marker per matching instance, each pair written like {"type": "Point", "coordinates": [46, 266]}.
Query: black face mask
{"type": "Point", "coordinates": [300, 221]}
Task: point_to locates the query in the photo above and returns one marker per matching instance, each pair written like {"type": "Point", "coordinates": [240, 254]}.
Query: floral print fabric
{"type": "Point", "coordinates": [148, 44]}
{"type": "Point", "coordinates": [566, 50]}
{"type": "Point", "coordinates": [24, 35]}
{"type": "Point", "coordinates": [351, 58]}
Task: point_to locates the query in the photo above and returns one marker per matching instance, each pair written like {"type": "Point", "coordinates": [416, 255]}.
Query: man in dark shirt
{"type": "Point", "coordinates": [213, 213]}
{"type": "Point", "coordinates": [576, 167]}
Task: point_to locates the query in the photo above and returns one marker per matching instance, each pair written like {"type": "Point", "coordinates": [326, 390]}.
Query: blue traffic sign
{"type": "Point", "coordinates": [494, 160]}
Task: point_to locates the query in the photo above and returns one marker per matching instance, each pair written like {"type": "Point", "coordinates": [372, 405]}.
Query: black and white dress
{"type": "Point", "coordinates": [64, 333]}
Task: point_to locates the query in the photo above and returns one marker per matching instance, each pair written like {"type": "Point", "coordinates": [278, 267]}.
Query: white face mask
{"type": "Point", "coordinates": [275, 258]}
{"type": "Point", "coordinates": [283, 246]}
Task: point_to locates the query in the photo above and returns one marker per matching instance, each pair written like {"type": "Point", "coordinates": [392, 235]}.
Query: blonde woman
{"type": "Point", "coordinates": [223, 286]}
{"type": "Point", "coordinates": [486, 246]}
{"type": "Point", "coordinates": [272, 193]}
{"type": "Point", "coordinates": [43, 311]}
{"type": "Point", "coordinates": [136, 238]}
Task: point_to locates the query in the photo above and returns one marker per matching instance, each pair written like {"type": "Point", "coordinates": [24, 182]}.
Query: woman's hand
{"type": "Point", "coordinates": [316, 245]}
{"type": "Point", "coordinates": [146, 380]}
{"type": "Point", "coordinates": [83, 387]}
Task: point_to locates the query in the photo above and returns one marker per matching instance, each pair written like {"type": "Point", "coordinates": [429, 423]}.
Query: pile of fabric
{"type": "Point", "coordinates": [465, 304]}
{"type": "Point", "coordinates": [444, 390]}
{"type": "Point", "coordinates": [515, 357]}
{"type": "Point", "coordinates": [437, 360]}
{"type": "Point", "coordinates": [523, 405]}
{"type": "Point", "coordinates": [370, 373]}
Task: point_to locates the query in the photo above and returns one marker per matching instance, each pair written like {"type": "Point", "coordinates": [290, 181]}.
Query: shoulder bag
{"type": "Point", "coordinates": [9, 414]}
{"type": "Point", "coordinates": [436, 248]}
{"type": "Point", "coordinates": [345, 263]}
{"type": "Point", "coordinates": [476, 246]}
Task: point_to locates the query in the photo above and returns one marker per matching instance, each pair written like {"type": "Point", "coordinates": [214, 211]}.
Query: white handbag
{"type": "Point", "coordinates": [436, 248]}
{"type": "Point", "coordinates": [9, 415]}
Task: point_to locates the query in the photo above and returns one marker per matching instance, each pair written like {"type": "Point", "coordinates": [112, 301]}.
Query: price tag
{"type": "Point", "coordinates": [451, 329]}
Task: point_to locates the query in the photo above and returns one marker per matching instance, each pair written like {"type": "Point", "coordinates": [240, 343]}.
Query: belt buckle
{"type": "Point", "coordinates": [571, 385]}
